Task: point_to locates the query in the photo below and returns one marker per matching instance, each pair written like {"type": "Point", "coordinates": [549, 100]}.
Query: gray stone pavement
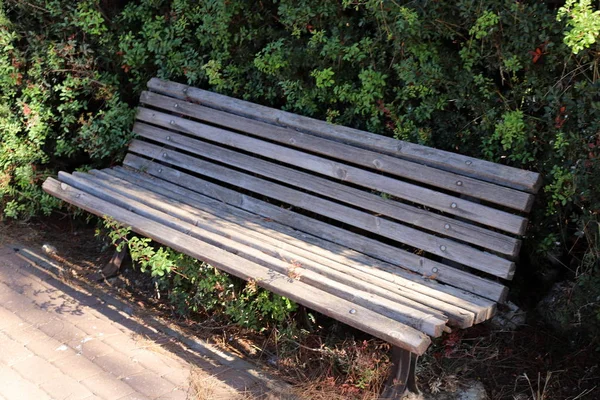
{"type": "Point", "coordinates": [59, 341]}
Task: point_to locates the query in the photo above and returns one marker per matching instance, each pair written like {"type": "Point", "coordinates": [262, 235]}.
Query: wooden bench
{"type": "Point", "coordinates": [399, 240]}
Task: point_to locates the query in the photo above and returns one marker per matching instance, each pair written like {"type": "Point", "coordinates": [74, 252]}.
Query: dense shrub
{"type": "Point", "coordinates": [60, 105]}
{"type": "Point", "coordinates": [501, 79]}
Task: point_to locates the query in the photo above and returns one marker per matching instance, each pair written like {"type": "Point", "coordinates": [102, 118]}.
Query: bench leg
{"type": "Point", "coordinates": [112, 267]}
{"type": "Point", "coordinates": [402, 376]}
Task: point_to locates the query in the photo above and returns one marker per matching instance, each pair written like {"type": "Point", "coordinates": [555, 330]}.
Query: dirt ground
{"type": "Point", "coordinates": [530, 363]}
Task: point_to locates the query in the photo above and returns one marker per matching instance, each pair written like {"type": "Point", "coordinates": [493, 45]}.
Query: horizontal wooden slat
{"type": "Point", "coordinates": [463, 185]}
{"type": "Point", "coordinates": [443, 247]}
{"type": "Point", "coordinates": [443, 225]}
{"type": "Point", "coordinates": [389, 276]}
{"type": "Point", "coordinates": [410, 338]}
{"type": "Point", "coordinates": [373, 248]}
{"type": "Point", "coordinates": [238, 240]}
{"type": "Point", "coordinates": [449, 204]}
{"type": "Point", "coordinates": [223, 203]}
{"type": "Point", "coordinates": [269, 238]}
{"type": "Point", "coordinates": [468, 166]}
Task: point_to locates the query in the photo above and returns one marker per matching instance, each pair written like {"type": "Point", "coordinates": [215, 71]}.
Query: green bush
{"type": "Point", "coordinates": [496, 80]}
{"type": "Point", "coordinates": [502, 79]}
{"type": "Point", "coordinates": [60, 106]}
{"type": "Point", "coordinates": [196, 287]}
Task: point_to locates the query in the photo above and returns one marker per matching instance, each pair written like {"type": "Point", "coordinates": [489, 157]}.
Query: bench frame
{"type": "Point", "coordinates": [195, 180]}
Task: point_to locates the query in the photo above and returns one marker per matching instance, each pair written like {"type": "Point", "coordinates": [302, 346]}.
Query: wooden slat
{"type": "Point", "coordinates": [378, 325]}
{"type": "Point", "coordinates": [449, 204]}
{"type": "Point", "coordinates": [237, 239]}
{"type": "Point", "coordinates": [443, 247]}
{"type": "Point", "coordinates": [443, 225]}
{"type": "Point", "coordinates": [425, 322]}
{"type": "Point", "coordinates": [468, 166]}
{"type": "Point", "coordinates": [391, 277]}
{"type": "Point", "coordinates": [461, 184]}
{"type": "Point", "coordinates": [267, 237]}
{"type": "Point", "coordinates": [426, 267]}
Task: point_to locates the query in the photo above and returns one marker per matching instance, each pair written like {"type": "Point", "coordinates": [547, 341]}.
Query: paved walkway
{"type": "Point", "coordinates": [60, 342]}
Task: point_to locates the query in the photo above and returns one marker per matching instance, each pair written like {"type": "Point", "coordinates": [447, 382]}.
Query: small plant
{"type": "Point", "coordinates": [196, 287]}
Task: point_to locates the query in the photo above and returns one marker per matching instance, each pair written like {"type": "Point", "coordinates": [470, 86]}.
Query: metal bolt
{"type": "Point", "coordinates": [159, 170]}
{"type": "Point", "coordinates": [185, 90]}
{"type": "Point", "coordinates": [447, 226]}
{"type": "Point", "coordinates": [78, 195]}
{"type": "Point", "coordinates": [459, 183]}
{"type": "Point", "coordinates": [165, 155]}
{"type": "Point", "coordinates": [435, 270]}
{"type": "Point", "coordinates": [353, 311]}
{"type": "Point", "coordinates": [443, 248]}
{"type": "Point", "coordinates": [172, 122]}
{"type": "Point", "coordinates": [468, 162]}
{"type": "Point", "coordinates": [176, 105]}
{"type": "Point", "coordinates": [453, 205]}
{"type": "Point", "coordinates": [168, 137]}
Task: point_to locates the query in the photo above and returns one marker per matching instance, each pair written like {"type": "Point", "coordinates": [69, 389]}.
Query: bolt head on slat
{"type": "Point", "coordinates": [459, 183]}
{"type": "Point", "coordinates": [447, 226]}
{"type": "Point", "coordinates": [443, 248]}
{"type": "Point", "coordinates": [176, 105]}
{"type": "Point", "coordinates": [168, 137]}
{"type": "Point", "coordinates": [434, 270]}
{"type": "Point", "coordinates": [185, 90]}
{"type": "Point", "coordinates": [453, 205]}
{"type": "Point", "coordinates": [165, 155]}
{"type": "Point", "coordinates": [468, 162]}
{"type": "Point", "coordinates": [172, 122]}
{"type": "Point", "coordinates": [353, 311]}
{"type": "Point", "coordinates": [159, 170]}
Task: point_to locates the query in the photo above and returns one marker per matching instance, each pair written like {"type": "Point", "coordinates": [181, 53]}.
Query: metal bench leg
{"type": "Point", "coordinates": [402, 376]}
{"type": "Point", "coordinates": [113, 266]}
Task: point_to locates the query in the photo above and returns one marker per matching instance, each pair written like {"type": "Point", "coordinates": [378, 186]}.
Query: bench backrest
{"type": "Point", "coordinates": [448, 217]}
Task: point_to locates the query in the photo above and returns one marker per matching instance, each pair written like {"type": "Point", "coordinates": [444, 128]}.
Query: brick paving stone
{"type": "Point", "coordinates": [78, 367]}
{"type": "Point", "coordinates": [104, 312]}
{"type": "Point", "coordinates": [61, 342]}
{"type": "Point", "coordinates": [38, 371]}
{"type": "Point", "coordinates": [126, 343]}
{"type": "Point", "coordinates": [135, 396]}
{"type": "Point", "coordinates": [96, 327]}
{"type": "Point", "coordinates": [180, 378]}
{"type": "Point", "coordinates": [107, 387]}
{"type": "Point", "coordinates": [14, 387]}
{"type": "Point", "coordinates": [37, 316]}
{"type": "Point", "coordinates": [18, 303]}
{"type": "Point", "coordinates": [119, 365]}
{"type": "Point", "coordinates": [50, 349]}
{"type": "Point", "coordinates": [149, 384]}
{"type": "Point", "coordinates": [180, 395]}
{"type": "Point", "coordinates": [8, 319]}
{"type": "Point", "coordinates": [26, 333]}
{"type": "Point", "coordinates": [159, 365]}
{"type": "Point", "coordinates": [66, 388]}
{"type": "Point", "coordinates": [12, 351]}
{"type": "Point", "coordinates": [94, 348]}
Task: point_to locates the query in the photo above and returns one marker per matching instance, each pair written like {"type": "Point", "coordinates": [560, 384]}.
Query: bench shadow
{"type": "Point", "coordinates": [61, 298]}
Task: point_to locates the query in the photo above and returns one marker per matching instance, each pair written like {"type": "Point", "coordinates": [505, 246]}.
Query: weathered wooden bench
{"type": "Point", "coordinates": [398, 240]}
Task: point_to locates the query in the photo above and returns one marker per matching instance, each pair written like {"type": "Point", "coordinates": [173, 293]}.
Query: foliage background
{"type": "Point", "coordinates": [501, 79]}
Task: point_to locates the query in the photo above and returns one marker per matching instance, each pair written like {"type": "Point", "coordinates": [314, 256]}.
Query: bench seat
{"type": "Point", "coordinates": [398, 240]}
